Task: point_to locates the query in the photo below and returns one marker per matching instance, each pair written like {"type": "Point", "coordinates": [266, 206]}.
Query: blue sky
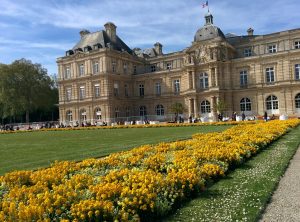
{"type": "Point", "coordinates": [42, 30]}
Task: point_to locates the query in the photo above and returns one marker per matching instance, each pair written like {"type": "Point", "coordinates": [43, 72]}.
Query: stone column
{"type": "Point", "coordinates": [191, 107]}
{"type": "Point", "coordinates": [217, 76]}
{"type": "Point", "coordinates": [193, 80]}
{"type": "Point", "coordinates": [213, 101]}
{"type": "Point", "coordinates": [195, 107]}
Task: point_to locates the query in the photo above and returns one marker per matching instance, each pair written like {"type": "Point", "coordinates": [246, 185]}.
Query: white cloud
{"type": "Point", "coordinates": [47, 25]}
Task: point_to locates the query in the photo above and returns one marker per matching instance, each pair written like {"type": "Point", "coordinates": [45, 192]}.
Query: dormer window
{"type": "Point", "coordinates": [78, 50]}
{"type": "Point", "coordinates": [69, 52]}
{"type": "Point", "coordinates": [272, 48]}
{"type": "Point", "coordinates": [97, 46]}
{"type": "Point", "coordinates": [87, 48]}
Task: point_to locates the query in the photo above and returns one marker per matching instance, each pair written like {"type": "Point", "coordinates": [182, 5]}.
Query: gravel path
{"type": "Point", "coordinates": [285, 202]}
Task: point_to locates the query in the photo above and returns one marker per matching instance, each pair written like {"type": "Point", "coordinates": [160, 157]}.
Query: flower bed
{"type": "Point", "coordinates": [130, 126]}
{"type": "Point", "coordinates": [141, 184]}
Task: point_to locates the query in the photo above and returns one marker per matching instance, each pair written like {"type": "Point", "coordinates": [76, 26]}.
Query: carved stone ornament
{"type": "Point", "coordinates": [201, 54]}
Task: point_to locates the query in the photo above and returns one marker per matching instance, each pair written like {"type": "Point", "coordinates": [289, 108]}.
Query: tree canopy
{"type": "Point", "coordinates": [25, 87]}
{"type": "Point", "coordinates": [177, 108]}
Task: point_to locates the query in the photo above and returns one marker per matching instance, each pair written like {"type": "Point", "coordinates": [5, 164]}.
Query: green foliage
{"type": "Point", "coordinates": [177, 108]}
{"type": "Point", "coordinates": [25, 87]}
{"type": "Point", "coordinates": [221, 106]}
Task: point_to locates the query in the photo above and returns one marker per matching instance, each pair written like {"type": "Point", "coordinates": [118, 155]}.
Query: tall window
{"type": "Point", "coordinates": [126, 91]}
{"type": "Point", "coordinates": [272, 48]}
{"type": "Point", "coordinates": [134, 69]}
{"type": "Point", "coordinates": [68, 94]}
{"type": "Point", "coordinates": [244, 78]}
{"type": "Point", "coordinates": [245, 104]}
{"type": "Point", "coordinates": [83, 115]}
{"type": "Point", "coordinates": [203, 80]}
{"type": "Point", "coordinates": [169, 66]}
{"type": "Point", "coordinates": [69, 116]}
{"type": "Point", "coordinates": [158, 88]}
{"type": "Point", "coordinates": [297, 72]}
{"type": "Point", "coordinates": [297, 101]}
{"type": "Point", "coordinates": [141, 90]}
{"type": "Point", "coordinates": [97, 90]}
{"type": "Point", "coordinates": [127, 111]}
{"type": "Point", "coordinates": [117, 112]}
{"type": "Point", "coordinates": [272, 102]}
{"type": "Point", "coordinates": [143, 111]}
{"type": "Point", "coordinates": [116, 89]}
{"type": "Point", "coordinates": [297, 44]}
{"type": "Point", "coordinates": [67, 72]}
{"type": "Point", "coordinates": [176, 86]}
{"type": "Point", "coordinates": [153, 68]}
{"type": "Point", "coordinates": [159, 110]}
{"type": "Point", "coordinates": [81, 70]}
{"type": "Point", "coordinates": [270, 75]}
{"type": "Point", "coordinates": [95, 67]}
{"type": "Point", "coordinates": [247, 52]}
{"type": "Point", "coordinates": [114, 66]}
{"type": "Point", "coordinates": [205, 106]}
{"type": "Point", "coordinates": [125, 67]}
{"type": "Point", "coordinates": [98, 114]}
{"type": "Point", "coordinates": [81, 92]}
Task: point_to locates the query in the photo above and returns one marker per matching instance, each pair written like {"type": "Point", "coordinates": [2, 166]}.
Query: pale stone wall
{"type": "Point", "coordinates": [220, 60]}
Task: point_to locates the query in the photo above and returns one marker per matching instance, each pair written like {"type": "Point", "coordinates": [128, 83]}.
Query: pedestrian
{"type": "Point", "coordinates": [243, 116]}
{"type": "Point", "coordinates": [265, 116]}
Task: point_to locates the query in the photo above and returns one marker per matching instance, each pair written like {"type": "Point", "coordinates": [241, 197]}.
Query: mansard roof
{"type": "Point", "coordinates": [102, 40]}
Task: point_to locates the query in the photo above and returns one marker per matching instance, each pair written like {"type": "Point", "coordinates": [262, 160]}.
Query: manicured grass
{"type": "Point", "coordinates": [244, 193]}
{"type": "Point", "coordinates": [33, 150]}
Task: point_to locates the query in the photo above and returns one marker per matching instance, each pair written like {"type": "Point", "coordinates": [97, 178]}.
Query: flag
{"type": "Point", "coordinates": [205, 4]}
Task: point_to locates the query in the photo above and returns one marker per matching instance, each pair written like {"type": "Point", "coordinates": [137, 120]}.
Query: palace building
{"type": "Point", "coordinates": [102, 79]}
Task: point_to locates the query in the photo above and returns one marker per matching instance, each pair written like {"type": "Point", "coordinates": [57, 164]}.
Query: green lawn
{"type": "Point", "coordinates": [244, 193]}
{"type": "Point", "coordinates": [22, 151]}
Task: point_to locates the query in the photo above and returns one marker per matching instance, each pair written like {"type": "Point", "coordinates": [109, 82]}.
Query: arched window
{"type": "Point", "coordinates": [205, 106]}
{"type": "Point", "coordinates": [159, 110]}
{"type": "Point", "coordinates": [203, 80]}
{"type": "Point", "coordinates": [69, 116]}
{"type": "Point", "coordinates": [98, 114]}
{"type": "Point", "coordinates": [117, 112]}
{"type": "Point", "coordinates": [297, 101]}
{"type": "Point", "coordinates": [245, 104]}
{"type": "Point", "coordinates": [83, 115]}
{"type": "Point", "coordinates": [127, 111]}
{"type": "Point", "coordinates": [143, 111]}
{"type": "Point", "coordinates": [272, 102]}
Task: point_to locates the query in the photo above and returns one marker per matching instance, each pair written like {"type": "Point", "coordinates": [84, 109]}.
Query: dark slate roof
{"type": "Point", "coordinates": [208, 32]}
{"type": "Point", "coordinates": [146, 53]}
{"type": "Point", "coordinates": [101, 38]}
{"type": "Point", "coordinates": [235, 40]}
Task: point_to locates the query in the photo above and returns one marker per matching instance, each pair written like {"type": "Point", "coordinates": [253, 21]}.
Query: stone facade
{"type": "Point", "coordinates": [102, 79]}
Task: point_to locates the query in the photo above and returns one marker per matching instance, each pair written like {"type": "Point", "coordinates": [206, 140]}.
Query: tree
{"type": "Point", "coordinates": [177, 108]}
{"type": "Point", "coordinates": [221, 106]}
{"type": "Point", "coordinates": [25, 87]}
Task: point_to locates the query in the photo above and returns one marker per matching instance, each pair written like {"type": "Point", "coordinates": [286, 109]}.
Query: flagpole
{"type": "Point", "coordinates": [207, 7]}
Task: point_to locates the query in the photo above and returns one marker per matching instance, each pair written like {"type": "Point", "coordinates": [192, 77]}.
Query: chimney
{"type": "Point", "coordinates": [158, 48]}
{"type": "Point", "coordinates": [84, 32]}
{"type": "Point", "coordinates": [110, 29]}
{"type": "Point", "coordinates": [250, 31]}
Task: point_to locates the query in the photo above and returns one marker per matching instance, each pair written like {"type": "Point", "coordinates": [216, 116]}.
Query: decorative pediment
{"type": "Point", "coordinates": [198, 53]}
